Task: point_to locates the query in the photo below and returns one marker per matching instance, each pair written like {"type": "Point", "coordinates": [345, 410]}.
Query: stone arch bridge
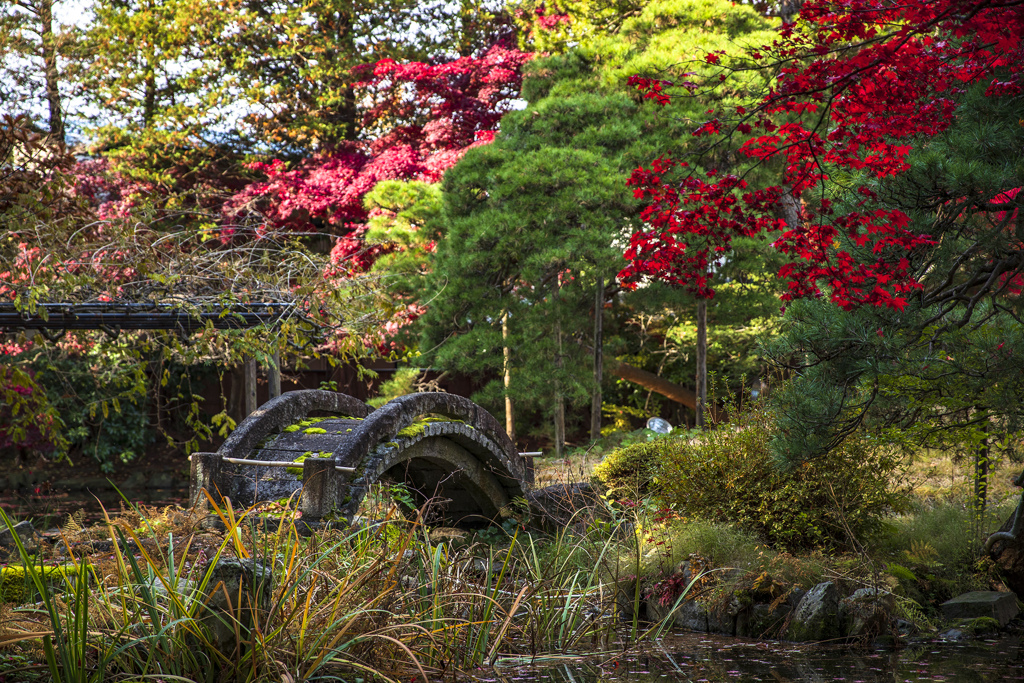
{"type": "Point", "coordinates": [330, 448]}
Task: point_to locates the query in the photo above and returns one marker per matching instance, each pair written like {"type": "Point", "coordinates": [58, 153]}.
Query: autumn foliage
{"type": "Point", "coordinates": [860, 84]}
{"type": "Point", "coordinates": [423, 119]}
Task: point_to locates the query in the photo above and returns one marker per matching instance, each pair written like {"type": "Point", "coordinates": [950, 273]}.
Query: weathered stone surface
{"type": "Point", "coordinates": [817, 616]}
{"type": "Point", "coordinates": [867, 612]}
{"type": "Point", "coordinates": [690, 615]}
{"type": "Point", "coordinates": [287, 409]}
{"type": "Point", "coordinates": [466, 467]}
{"type": "Point", "coordinates": [762, 620]}
{"type": "Point", "coordinates": [562, 506]}
{"type": "Point", "coordinates": [25, 531]}
{"type": "Point", "coordinates": [1001, 606]}
{"type": "Point", "coordinates": [238, 595]}
{"type": "Point", "coordinates": [629, 600]}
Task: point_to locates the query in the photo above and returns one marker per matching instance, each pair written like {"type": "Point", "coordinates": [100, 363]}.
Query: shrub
{"type": "Point", "coordinates": [628, 472]}
{"type": "Point", "coordinates": [729, 475]}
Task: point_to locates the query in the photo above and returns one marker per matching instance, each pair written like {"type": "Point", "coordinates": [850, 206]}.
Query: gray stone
{"type": "Point", "coordinates": [25, 531]}
{"type": "Point", "coordinates": [817, 616]}
{"type": "Point", "coordinates": [567, 506]}
{"type": "Point", "coordinates": [762, 620]}
{"type": "Point", "coordinates": [690, 615]}
{"type": "Point", "coordinates": [238, 594]}
{"type": "Point", "coordinates": [998, 605]}
{"type": "Point", "coordinates": [626, 599]}
{"type": "Point", "coordinates": [954, 635]}
{"type": "Point", "coordinates": [867, 612]}
{"type": "Point", "coordinates": [722, 621]}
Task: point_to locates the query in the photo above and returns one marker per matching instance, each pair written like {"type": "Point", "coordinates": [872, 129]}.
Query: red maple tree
{"type": "Point", "coordinates": [422, 119]}
{"type": "Point", "coordinates": [860, 83]}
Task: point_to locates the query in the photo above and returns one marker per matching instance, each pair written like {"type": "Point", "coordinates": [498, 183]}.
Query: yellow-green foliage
{"type": "Point", "coordinates": [729, 475]}
{"type": "Point", "coordinates": [16, 587]}
{"type": "Point", "coordinates": [630, 471]}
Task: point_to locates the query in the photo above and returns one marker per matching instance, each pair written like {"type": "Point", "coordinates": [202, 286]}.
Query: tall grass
{"type": "Point", "coordinates": [377, 602]}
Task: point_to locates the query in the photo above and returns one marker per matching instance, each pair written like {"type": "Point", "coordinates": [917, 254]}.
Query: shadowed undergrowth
{"type": "Point", "coordinates": [141, 596]}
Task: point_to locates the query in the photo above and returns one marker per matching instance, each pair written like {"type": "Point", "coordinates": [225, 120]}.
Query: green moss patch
{"type": "Point", "coordinates": [417, 427]}
{"type": "Point", "coordinates": [297, 471]}
{"type": "Point", "coordinates": [16, 585]}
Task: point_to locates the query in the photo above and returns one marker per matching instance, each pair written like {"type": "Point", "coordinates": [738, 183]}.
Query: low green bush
{"type": "Point", "coordinates": [729, 475]}
{"type": "Point", "coordinates": [629, 472]}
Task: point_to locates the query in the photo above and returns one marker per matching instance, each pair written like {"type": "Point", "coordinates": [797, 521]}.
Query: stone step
{"type": "Point", "coordinates": [999, 605]}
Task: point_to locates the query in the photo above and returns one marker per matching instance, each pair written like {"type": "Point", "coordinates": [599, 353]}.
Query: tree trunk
{"type": "Point", "coordinates": [49, 54]}
{"type": "Point", "coordinates": [274, 376]}
{"type": "Point", "coordinates": [149, 101]}
{"type": "Point", "coordinates": [249, 392]}
{"type": "Point", "coordinates": [559, 399]}
{"type": "Point", "coordinates": [702, 361]}
{"type": "Point", "coordinates": [510, 424]}
{"type": "Point", "coordinates": [595, 403]}
{"type": "Point", "coordinates": [650, 381]}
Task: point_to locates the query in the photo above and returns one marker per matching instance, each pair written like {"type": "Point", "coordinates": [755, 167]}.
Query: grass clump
{"type": "Point", "coordinates": [376, 602]}
{"type": "Point", "coordinates": [935, 550]}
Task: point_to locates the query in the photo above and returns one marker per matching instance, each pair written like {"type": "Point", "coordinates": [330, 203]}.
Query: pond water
{"type": "Point", "coordinates": [48, 507]}
{"type": "Point", "coordinates": [698, 658]}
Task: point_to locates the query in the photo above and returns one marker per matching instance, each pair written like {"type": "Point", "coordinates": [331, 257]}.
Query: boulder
{"type": "Point", "coordinates": [626, 600]}
{"type": "Point", "coordinates": [762, 620]}
{"type": "Point", "coordinates": [817, 618]}
{"type": "Point", "coordinates": [998, 605]}
{"type": "Point", "coordinates": [239, 592]}
{"type": "Point", "coordinates": [690, 615]}
{"type": "Point", "coordinates": [567, 506]}
{"type": "Point", "coordinates": [25, 531]}
{"type": "Point", "coordinates": [867, 612]}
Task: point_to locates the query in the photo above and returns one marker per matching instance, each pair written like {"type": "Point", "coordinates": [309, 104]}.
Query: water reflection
{"type": "Point", "coordinates": [701, 659]}
{"type": "Point", "coordinates": [48, 507]}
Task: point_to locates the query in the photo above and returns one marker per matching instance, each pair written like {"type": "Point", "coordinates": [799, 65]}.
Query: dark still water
{"type": "Point", "coordinates": [48, 507]}
{"type": "Point", "coordinates": [698, 658]}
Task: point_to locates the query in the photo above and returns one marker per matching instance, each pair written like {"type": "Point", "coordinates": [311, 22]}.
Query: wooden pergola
{"type": "Point", "coordinates": [53, 320]}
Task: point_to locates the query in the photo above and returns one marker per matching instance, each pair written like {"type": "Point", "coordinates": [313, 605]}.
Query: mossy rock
{"type": "Point", "coordinates": [981, 626]}
{"type": "Point", "coordinates": [17, 587]}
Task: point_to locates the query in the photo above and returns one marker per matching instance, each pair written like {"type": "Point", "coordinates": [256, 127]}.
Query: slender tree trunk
{"type": "Point", "coordinates": [510, 423]}
{"type": "Point", "coordinates": [149, 102]}
{"type": "Point", "coordinates": [249, 393]}
{"type": "Point", "coordinates": [274, 376]}
{"type": "Point", "coordinates": [49, 54]}
{"type": "Point", "coordinates": [595, 403]}
{"type": "Point", "coordinates": [559, 398]}
{"type": "Point", "coordinates": [702, 360]}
